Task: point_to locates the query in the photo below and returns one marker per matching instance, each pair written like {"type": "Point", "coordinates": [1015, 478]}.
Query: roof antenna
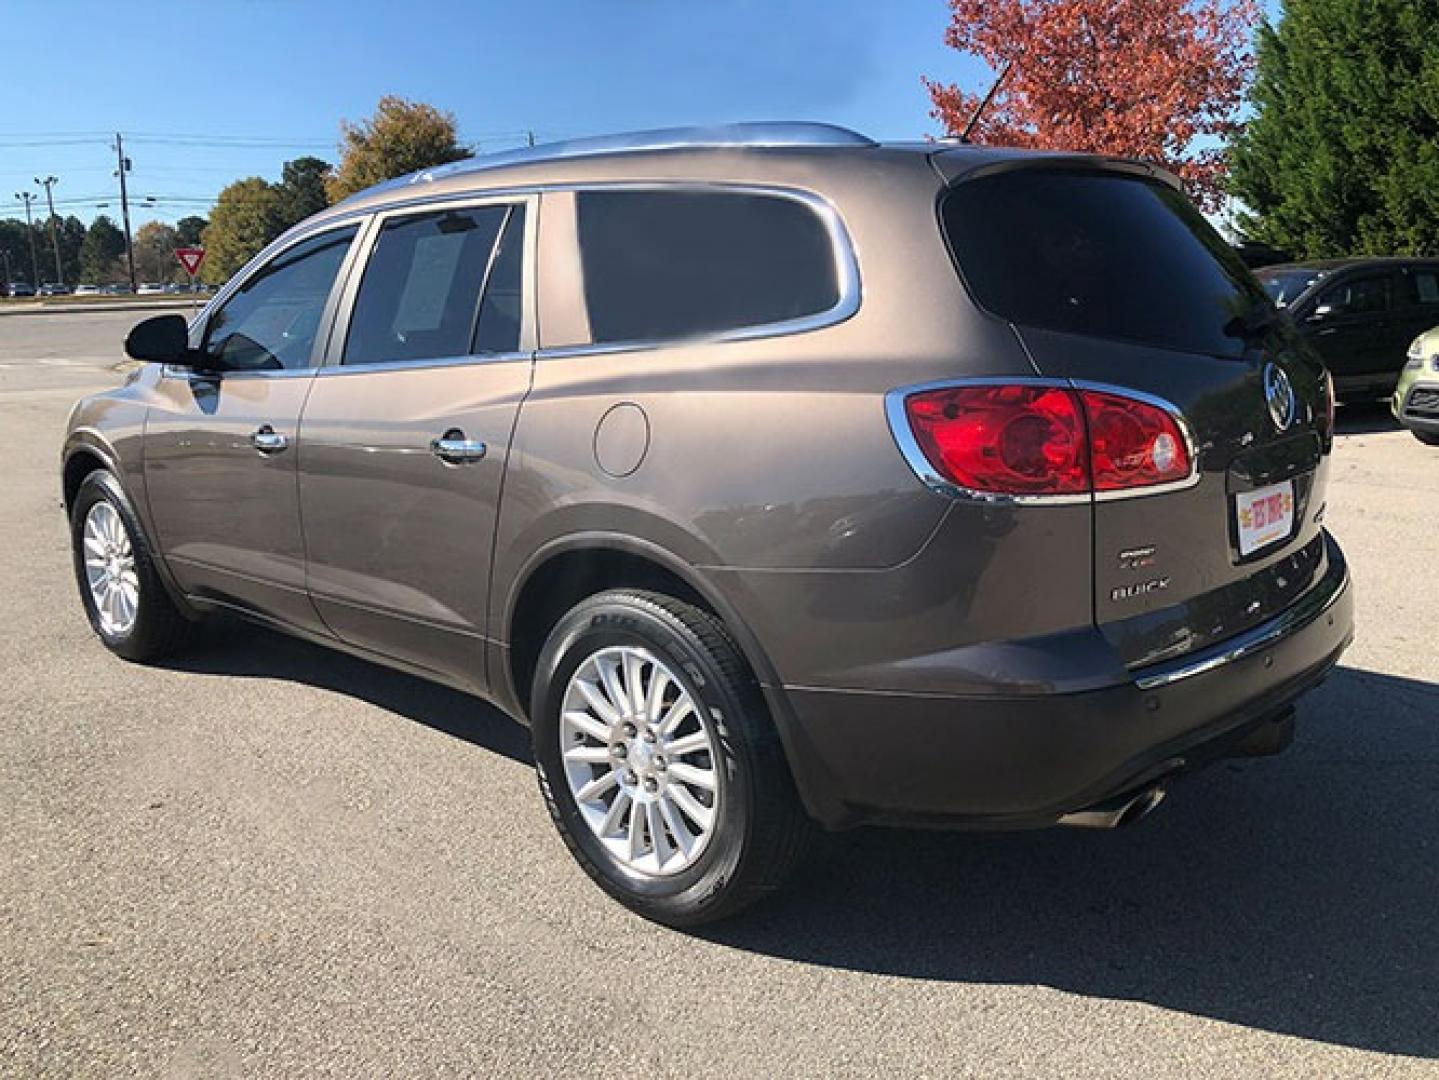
{"type": "Point", "coordinates": [979, 109]}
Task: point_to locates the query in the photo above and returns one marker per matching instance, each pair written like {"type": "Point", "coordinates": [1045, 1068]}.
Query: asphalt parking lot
{"type": "Point", "coordinates": [265, 859]}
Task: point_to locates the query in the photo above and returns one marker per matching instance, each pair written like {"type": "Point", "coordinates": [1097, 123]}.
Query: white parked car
{"type": "Point", "coordinates": [150, 288]}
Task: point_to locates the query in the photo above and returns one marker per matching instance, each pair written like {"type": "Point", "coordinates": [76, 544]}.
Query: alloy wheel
{"type": "Point", "coordinates": [639, 758]}
{"type": "Point", "coordinates": [110, 569]}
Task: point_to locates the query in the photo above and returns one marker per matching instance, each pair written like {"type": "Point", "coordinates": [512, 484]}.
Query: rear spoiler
{"type": "Point", "coordinates": [957, 163]}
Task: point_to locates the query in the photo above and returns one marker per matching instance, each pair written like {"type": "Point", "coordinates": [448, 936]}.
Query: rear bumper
{"type": "Point", "coordinates": [1365, 387]}
{"type": "Point", "coordinates": [1021, 761]}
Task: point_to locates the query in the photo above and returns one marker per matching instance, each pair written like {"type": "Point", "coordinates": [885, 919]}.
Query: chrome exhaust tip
{"type": "Point", "coordinates": [1116, 813]}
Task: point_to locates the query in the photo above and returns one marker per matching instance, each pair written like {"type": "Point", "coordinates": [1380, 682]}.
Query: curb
{"type": "Point", "coordinates": [92, 309]}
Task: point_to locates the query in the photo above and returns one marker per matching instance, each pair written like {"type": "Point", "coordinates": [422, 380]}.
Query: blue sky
{"type": "Point", "coordinates": [207, 92]}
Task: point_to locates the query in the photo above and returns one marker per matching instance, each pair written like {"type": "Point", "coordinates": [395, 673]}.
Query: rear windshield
{"type": "Point", "coordinates": [1100, 254]}
{"type": "Point", "coordinates": [1284, 286]}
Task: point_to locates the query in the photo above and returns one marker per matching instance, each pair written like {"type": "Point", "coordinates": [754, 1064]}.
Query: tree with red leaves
{"type": "Point", "coordinates": [1153, 79]}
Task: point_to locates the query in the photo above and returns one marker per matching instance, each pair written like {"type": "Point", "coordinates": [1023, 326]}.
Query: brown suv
{"type": "Point", "coordinates": [772, 475]}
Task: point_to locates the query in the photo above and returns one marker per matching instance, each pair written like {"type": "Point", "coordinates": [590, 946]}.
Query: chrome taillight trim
{"type": "Point", "coordinates": [909, 448]}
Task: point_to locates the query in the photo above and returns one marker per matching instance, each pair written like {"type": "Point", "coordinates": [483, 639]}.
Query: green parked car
{"type": "Point", "coordinates": [1416, 399]}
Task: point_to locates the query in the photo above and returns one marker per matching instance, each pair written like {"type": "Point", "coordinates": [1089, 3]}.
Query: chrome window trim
{"type": "Point", "coordinates": [909, 448]}
{"type": "Point", "coordinates": [370, 220]}
{"type": "Point", "coordinates": [846, 268]}
{"type": "Point", "coordinates": [329, 371]}
{"type": "Point", "coordinates": [170, 371]}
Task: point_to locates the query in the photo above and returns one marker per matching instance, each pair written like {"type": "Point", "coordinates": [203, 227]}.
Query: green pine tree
{"type": "Point", "coordinates": [1342, 154]}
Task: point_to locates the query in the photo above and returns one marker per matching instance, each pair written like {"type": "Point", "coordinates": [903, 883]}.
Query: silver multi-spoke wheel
{"type": "Point", "coordinates": [640, 759]}
{"type": "Point", "coordinates": [110, 569]}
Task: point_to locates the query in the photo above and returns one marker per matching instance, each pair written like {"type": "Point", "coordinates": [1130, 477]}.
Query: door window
{"type": "Point", "coordinates": [1424, 289]}
{"type": "Point", "coordinates": [681, 264]}
{"type": "Point", "coordinates": [270, 322]}
{"type": "Point", "coordinates": [1358, 296]}
{"type": "Point", "coordinates": [498, 329]}
{"type": "Point", "coordinates": [420, 298]}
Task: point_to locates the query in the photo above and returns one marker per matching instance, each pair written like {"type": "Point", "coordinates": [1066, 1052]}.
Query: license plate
{"type": "Point", "coordinates": [1265, 515]}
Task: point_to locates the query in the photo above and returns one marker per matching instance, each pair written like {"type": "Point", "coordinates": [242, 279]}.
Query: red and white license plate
{"type": "Point", "coordinates": [1265, 516]}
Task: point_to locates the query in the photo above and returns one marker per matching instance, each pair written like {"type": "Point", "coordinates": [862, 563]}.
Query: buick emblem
{"type": "Point", "coordinates": [1279, 396]}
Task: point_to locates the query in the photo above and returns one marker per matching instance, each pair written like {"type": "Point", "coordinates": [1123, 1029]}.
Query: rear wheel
{"type": "Point", "coordinates": [658, 762]}
{"type": "Point", "coordinates": [120, 585]}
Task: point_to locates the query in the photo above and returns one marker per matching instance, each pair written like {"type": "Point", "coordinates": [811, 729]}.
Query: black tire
{"type": "Point", "coordinates": [1425, 437]}
{"type": "Point", "coordinates": [158, 628]}
{"type": "Point", "coordinates": [761, 832]}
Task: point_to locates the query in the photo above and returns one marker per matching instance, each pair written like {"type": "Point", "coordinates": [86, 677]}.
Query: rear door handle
{"type": "Point", "coordinates": [454, 449]}
{"type": "Point", "coordinates": [267, 440]}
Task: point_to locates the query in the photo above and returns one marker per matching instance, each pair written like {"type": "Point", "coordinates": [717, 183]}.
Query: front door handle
{"type": "Point", "coordinates": [454, 449]}
{"type": "Point", "coordinates": [267, 440]}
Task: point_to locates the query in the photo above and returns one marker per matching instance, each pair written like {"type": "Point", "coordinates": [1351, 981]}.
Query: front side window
{"type": "Point", "coordinates": [664, 265]}
{"type": "Point", "coordinates": [1358, 296]}
{"type": "Point", "coordinates": [424, 294]}
{"type": "Point", "coordinates": [270, 322]}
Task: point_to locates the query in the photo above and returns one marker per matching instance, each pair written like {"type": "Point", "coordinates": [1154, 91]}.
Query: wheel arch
{"type": "Point", "coordinates": [85, 453]}
{"type": "Point", "coordinates": [566, 570]}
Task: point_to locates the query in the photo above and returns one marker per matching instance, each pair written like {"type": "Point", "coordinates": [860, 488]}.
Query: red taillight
{"type": "Point", "coordinates": [1036, 440]}
{"type": "Point", "coordinates": [1132, 443]}
{"type": "Point", "coordinates": [1011, 440]}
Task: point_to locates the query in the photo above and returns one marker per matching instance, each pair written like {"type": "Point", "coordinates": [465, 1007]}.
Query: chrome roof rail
{"type": "Point", "coordinates": [757, 134]}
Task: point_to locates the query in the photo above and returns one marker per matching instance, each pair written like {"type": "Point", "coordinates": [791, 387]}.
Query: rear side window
{"type": "Point", "coordinates": [420, 298]}
{"type": "Point", "coordinates": [1099, 254]}
{"type": "Point", "coordinates": [680, 264]}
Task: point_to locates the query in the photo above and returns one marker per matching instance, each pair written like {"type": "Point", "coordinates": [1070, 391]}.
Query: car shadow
{"type": "Point", "coordinates": [230, 647]}
{"type": "Point", "coordinates": [1365, 418]}
{"type": "Point", "coordinates": [1297, 894]}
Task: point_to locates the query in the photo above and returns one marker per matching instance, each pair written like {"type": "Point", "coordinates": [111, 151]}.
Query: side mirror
{"type": "Point", "coordinates": [164, 339]}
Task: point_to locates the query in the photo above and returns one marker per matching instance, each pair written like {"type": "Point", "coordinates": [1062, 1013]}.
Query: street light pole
{"type": "Point", "coordinates": [47, 184]}
{"type": "Point", "coordinates": [27, 197]}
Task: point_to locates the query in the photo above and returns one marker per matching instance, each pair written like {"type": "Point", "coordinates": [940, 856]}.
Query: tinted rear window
{"type": "Point", "coordinates": [678, 264]}
{"type": "Point", "coordinates": [1099, 254]}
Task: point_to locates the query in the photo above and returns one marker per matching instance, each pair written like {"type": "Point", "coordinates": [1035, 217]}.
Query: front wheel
{"type": "Point", "coordinates": [1425, 437]}
{"type": "Point", "coordinates": [120, 585]}
{"type": "Point", "coordinates": [658, 762]}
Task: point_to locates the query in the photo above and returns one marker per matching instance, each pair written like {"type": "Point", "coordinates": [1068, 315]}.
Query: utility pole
{"type": "Point", "coordinates": [124, 167]}
{"type": "Point", "coordinates": [28, 197]}
{"type": "Point", "coordinates": [47, 184]}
